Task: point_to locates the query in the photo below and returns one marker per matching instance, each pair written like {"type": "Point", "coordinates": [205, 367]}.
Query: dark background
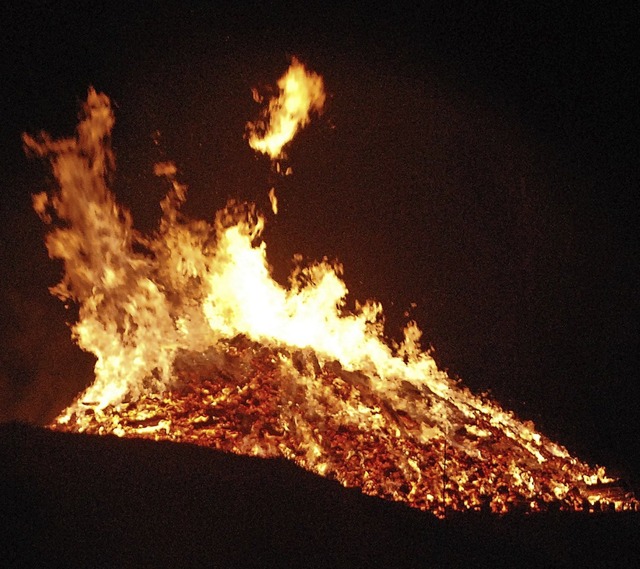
{"type": "Point", "coordinates": [477, 160]}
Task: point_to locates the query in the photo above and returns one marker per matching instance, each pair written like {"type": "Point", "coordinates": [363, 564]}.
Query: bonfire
{"type": "Point", "coordinates": [195, 342]}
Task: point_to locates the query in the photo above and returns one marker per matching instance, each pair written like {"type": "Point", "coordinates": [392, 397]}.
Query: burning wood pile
{"type": "Point", "coordinates": [196, 342]}
{"type": "Point", "coordinates": [245, 398]}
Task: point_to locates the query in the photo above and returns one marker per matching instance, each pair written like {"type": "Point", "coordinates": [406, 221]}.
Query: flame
{"type": "Point", "coordinates": [301, 92]}
{"type": "Point", "coordinates": [273, 199]}
{"type": "Point", "coordinates": [196, 342]}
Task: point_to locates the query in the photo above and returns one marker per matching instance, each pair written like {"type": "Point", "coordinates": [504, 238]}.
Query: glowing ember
{"type": "Point", "coordinates": [196, 342]}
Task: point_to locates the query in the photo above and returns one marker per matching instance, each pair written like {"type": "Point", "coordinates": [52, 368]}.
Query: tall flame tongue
{"type": "Point", "coordinates": [196, 342]}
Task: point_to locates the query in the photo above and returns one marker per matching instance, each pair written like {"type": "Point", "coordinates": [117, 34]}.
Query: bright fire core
{"type": "Point", "coordinates": [196, 342]}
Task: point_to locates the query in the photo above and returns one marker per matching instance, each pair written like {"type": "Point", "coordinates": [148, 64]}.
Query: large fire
{"type": "Point", "coordinates": [196, 342]}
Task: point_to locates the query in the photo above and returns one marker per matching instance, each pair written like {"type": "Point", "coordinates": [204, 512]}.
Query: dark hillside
{"type": "Point", "coordinates": [71, 500]}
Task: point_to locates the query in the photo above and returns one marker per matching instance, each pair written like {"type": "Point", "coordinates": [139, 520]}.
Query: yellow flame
{"type": "Point", "coordinates": [301, 92]}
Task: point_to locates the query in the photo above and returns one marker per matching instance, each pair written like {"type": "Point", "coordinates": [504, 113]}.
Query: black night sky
{"type": "Point", "coordinates": [479, 161]}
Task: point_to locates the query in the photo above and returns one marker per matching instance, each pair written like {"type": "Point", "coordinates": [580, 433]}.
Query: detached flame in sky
{"type": "Point", "coordinates": [301, 93]}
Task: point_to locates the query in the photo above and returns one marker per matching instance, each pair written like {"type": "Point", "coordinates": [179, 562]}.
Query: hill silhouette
{"type": "Point", "coordinates": [75, 500]}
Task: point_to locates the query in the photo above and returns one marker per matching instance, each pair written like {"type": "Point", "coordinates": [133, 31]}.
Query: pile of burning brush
{"type": "Point", "coordinates": [196, 342]}
{"type": "Point", "coordinates": [246, 398]}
